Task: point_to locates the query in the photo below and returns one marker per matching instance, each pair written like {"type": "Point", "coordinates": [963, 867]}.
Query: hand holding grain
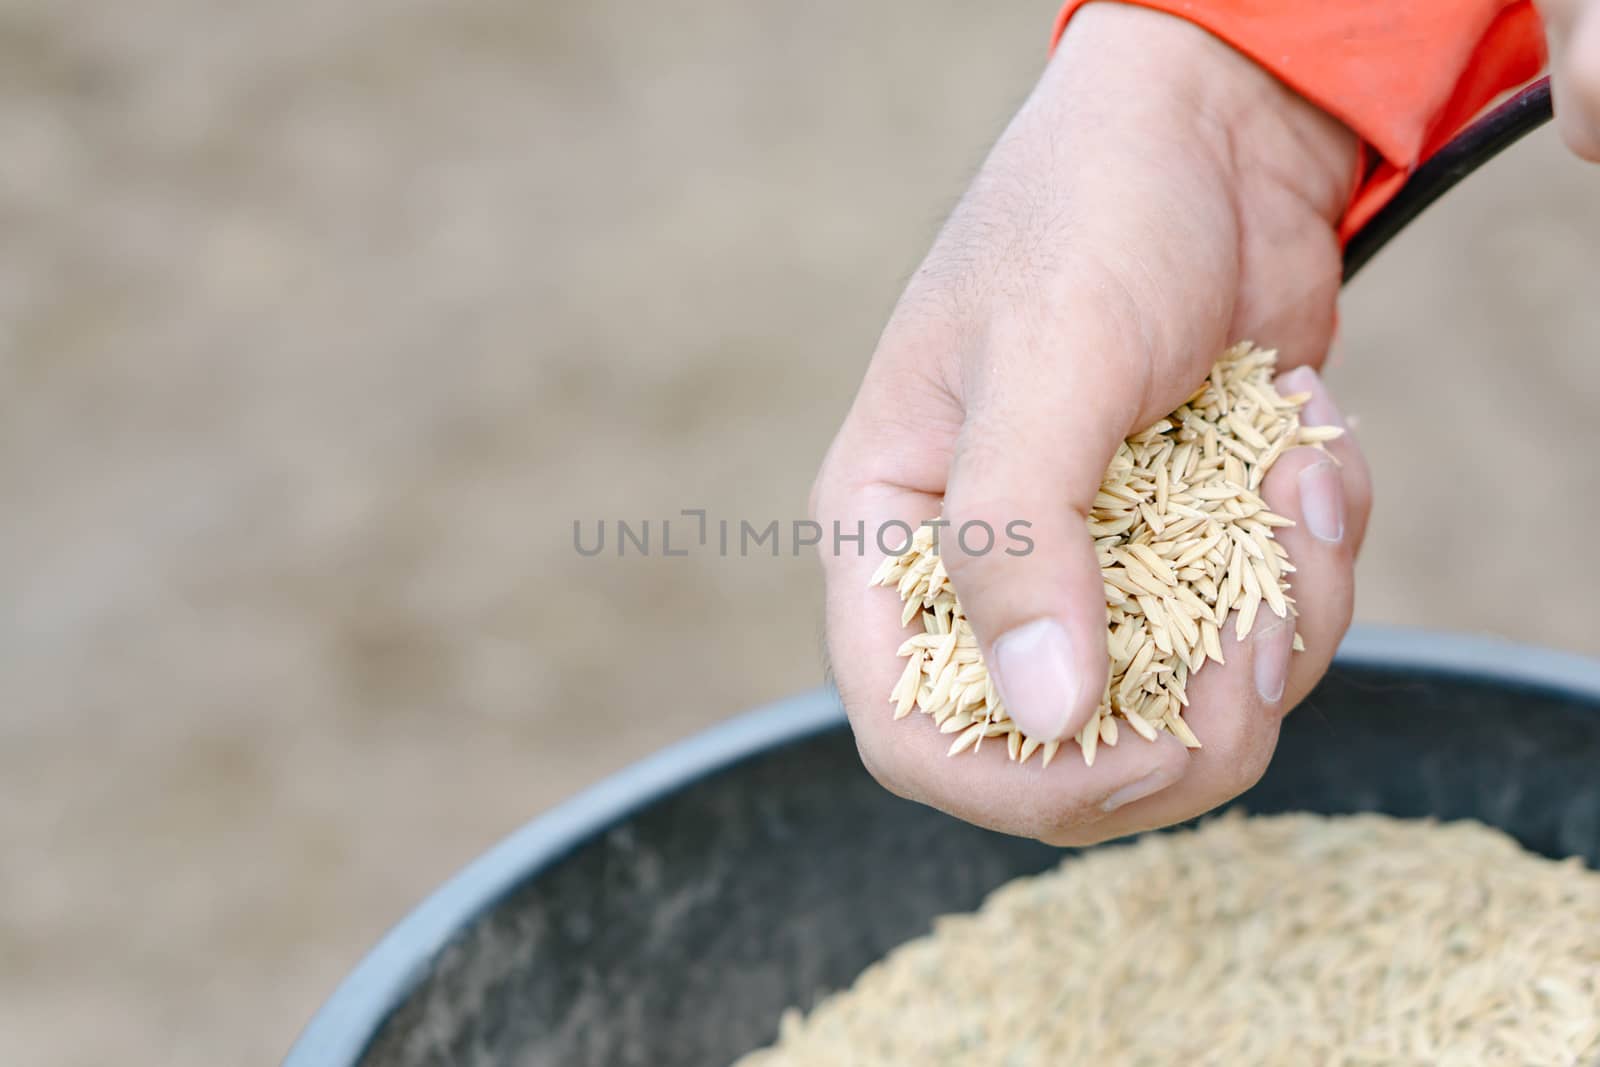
{"type": "Point", "coordinates": [1155, 200]}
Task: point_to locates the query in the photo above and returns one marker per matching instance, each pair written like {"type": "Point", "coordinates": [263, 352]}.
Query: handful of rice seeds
{"type": "Point", "coordinates": [1183, 538]}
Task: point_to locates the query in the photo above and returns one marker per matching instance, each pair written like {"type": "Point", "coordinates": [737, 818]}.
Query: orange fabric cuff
{"type": "Point", "coordinates": [1405, 76]}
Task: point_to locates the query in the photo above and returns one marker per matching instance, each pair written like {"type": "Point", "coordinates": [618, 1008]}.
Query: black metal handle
{"type": "Point", "coordinates": [1466, 152]}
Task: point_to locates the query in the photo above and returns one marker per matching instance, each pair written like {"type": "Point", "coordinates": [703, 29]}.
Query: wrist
{"type": "Point", "coordinates": [1188, 76]}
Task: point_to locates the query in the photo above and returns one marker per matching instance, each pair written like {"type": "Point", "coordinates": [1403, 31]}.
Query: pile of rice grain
{"type": "Point", "coordinates": [1183, 538]}
{"type": "Point", "coordinates": [1294, 939]}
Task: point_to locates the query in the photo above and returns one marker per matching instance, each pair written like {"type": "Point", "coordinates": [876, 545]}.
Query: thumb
{"type": "Point", "coordinates": [1028, 463]}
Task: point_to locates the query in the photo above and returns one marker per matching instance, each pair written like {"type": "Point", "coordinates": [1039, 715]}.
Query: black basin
{"type": "Point", "coordinates": [668, 915]}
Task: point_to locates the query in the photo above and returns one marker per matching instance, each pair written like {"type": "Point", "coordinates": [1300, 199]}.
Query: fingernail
{"type": "Point", "coordinates": [1322, 501]}
{"type": "Point", "coordinates": [1034, 674]}
{"type": "Point", "coordinates": [1320, 410]}
{"type": "Point", "coordinates": [1299, 380]}
{"type": "Point", "coordinates": [1272, 660]}
{"type": "Point", "coordinates": [1153, 782]}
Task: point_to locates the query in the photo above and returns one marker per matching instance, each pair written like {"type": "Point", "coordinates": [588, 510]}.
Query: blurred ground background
{"type": "Point", "coordinates": [320, 323]}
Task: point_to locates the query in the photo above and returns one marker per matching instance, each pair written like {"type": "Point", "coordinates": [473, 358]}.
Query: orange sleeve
{"type": "Point", "coordinates": [1405, 76]}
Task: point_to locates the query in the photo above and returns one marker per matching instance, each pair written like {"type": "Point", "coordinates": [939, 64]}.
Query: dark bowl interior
{"type": "Point", "coordinates": [679, 932]}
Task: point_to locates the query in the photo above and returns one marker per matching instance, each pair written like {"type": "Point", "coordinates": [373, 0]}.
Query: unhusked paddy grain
{"type": "Point", "coordinates": [1183, 537]}
{"type": "Point", "coordinates": [1289, 940]}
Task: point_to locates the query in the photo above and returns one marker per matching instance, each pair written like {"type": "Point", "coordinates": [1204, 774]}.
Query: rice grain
{"type": "Point", "coordinates": [1183, 539]}
{"type": "Point", "coordinates": [1294, 939]}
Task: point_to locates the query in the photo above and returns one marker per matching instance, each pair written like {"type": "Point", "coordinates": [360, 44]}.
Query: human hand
{"type": "Point", "coordinates": [1157, 198]}
{"type": "Point", "coordinates": [1573, 30]}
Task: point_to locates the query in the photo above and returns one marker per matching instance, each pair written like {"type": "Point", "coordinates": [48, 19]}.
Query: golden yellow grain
{"type": "Point", "coordinates": [1183, 538]}
{"type": "Point", "coordinates": [1294, 939]}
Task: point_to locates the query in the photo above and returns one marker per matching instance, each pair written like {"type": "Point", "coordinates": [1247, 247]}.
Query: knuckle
{"type": "Point", "coordinates": [1344, 605]}
{"type": "Point", "coordinates": [1358, 491]}
{"type": "Point", "coordinates": [883, 768]}
{"type": "Point", "coordinates": [1070, 819]}
{"type": "Point", "coordinates": [1250, 771]}
{"type": "Point", "coordinates": [1075, 826]}
{"type": "Point", "coordinates": [1081, 836]}
{"type": "Point", "coordinates": [971, 531]}
{"type": "Point", "coordinates": [1245, 760]}
{"type": "Point", "coordinates": [970, 549]}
